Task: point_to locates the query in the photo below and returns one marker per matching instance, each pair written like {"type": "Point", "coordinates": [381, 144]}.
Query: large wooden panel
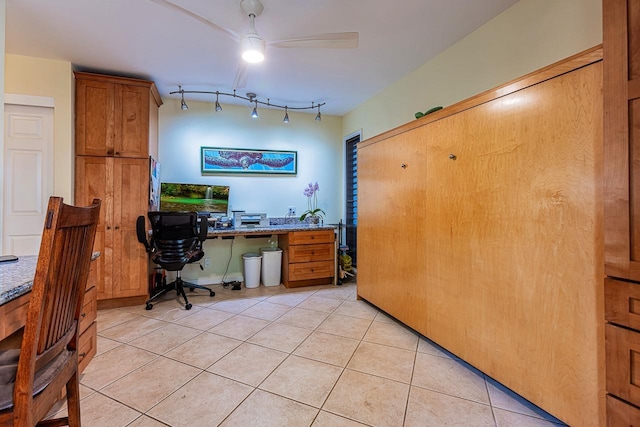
{"type": "Point", "coordinates": [493, 248]}
{"type": "Point", "coordinates": [392, 217]}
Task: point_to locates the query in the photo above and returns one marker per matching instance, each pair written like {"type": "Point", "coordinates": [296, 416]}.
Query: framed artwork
{"type": "Point", "coordinates": [231, 160]}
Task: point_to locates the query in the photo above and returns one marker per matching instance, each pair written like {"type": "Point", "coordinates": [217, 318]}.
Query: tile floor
{"type": "Point", "coordinates": [278, 357]}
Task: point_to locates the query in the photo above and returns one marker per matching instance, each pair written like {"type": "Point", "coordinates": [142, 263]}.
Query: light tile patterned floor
{"type": "Point", "coordinates": [278, 357]}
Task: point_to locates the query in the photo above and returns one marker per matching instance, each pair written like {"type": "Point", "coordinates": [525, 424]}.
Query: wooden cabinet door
{"type": "Point", "coordinates": [95, 120]}
{"type": "Point", "coordinates": [131, 199]}
{"type": "Point", "coordinates": [94, 179]}
{"type": "Point", "coordinates": [621, 43]}
{"type": "Point", "coordinates": [392, 213]}
{"type": "Point", "coordinates": [131, 121]}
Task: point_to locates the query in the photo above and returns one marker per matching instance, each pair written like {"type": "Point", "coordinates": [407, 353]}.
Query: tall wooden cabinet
{"type": "Point", "coordinates": [116, 131]}
{"type": "Point", "coordinates": [621, 43]}
{"type": "Point", "coordinates": [480, 227]}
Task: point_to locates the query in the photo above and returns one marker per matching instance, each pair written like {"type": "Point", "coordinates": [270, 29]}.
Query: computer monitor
{"type": "Point", "coordinates": [201, 198]}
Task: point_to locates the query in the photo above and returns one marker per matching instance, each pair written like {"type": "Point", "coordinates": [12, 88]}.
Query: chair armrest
{"type": "Point", "coordinates": [204, 228]}
{"type": "Point", "coordinates": [141, 232]}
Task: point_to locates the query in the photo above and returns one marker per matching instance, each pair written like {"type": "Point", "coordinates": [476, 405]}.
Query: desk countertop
{"type": "Point", "coordinates": [272, 229]}
{"type": "Point", "coordinates": [16, 278]}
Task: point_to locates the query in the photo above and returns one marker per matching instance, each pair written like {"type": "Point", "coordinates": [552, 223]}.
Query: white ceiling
{"type": "Point", "coordinates": [140, 38]}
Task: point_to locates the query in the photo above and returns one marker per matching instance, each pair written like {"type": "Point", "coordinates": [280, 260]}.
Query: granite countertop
{"type": "Point", "coordinates": [272, 229]}
{"type": "Point", "coordinates": [16, 278]}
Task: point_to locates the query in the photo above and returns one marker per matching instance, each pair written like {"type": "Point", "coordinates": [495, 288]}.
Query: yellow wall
{"type": "Point", "coordinates": [44, 77]}
{"type": "Point", "coordinates": [528, 36]}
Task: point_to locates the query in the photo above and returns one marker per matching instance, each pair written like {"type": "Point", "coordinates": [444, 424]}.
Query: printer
{"type": "Point", "coordinates": [250, 220]}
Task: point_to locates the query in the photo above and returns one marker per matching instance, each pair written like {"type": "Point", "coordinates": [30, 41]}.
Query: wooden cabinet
{"type": "Point", "coordinates": [480, 227]}
{"type": "Point", "coordinates": [121, 271]}
{"type": "Point", "coordinates": [112, 116]}
{"type": "Point", "coordinates": [116, 131]}
{"type": "Point", "coordinates": [621, 44]}
{"type": "Point", "coordinates": [308, 258]}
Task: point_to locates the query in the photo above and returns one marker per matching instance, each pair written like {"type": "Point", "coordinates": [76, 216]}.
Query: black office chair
{"type": "Point", "coordinates": [176, 241]}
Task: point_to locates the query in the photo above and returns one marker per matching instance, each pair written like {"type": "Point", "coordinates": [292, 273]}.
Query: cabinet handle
{"type": "Point", "coordinates": [117, 227]}
{"type": "Point", "coordinates": [108, 227]}
{"type": "Point", "coordinates": [109, 152]}
{"type": "Point", "coordinates": [117, 153]}
{"type": "Point", "coordinates": [453, 156]}
{"type": "Point", "coordinates": [403, 166]}
{"type": "Point", "coordinates": [83, 354]}
{"type": "Point", "coordinates": [83, 315]}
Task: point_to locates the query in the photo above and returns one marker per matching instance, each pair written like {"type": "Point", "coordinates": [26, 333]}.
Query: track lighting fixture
{"type": "Point", "coordinates": [251, 97]}
{"type": "Point", "coordinates": [183, 105]}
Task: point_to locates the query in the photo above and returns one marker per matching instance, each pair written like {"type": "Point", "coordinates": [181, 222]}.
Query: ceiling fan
{"type": "Point", "coordinates": [253, 45]}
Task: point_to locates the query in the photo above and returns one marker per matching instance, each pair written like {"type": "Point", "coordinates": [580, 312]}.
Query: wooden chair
{"type": "Point", "coordinates": [48, 360]}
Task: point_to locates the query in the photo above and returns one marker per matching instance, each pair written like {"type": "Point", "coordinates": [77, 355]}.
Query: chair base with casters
{"type": "Point", "coordinates": [176, 240]}
{"type": "Point", "coordinates": [177, 285]}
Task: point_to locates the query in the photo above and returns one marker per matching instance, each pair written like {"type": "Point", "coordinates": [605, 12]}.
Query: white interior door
{"type": "Point", "coordinates": [28, 176]}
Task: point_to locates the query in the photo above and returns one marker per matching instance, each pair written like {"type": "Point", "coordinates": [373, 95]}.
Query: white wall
{"type": "Point", "coordinates": [320, 158]}
{"type": "Point", "coordinates": [319, 147]}
{"type": "Point", "coordinates": [526, 37]}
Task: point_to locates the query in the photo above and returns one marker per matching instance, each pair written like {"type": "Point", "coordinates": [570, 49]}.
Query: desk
{"type": "Point", "coordinates": [279, 229]}
{"type": "Point", "coordinates": [16, 280]}
{"type": "Point", "coordinates": [305, 260]}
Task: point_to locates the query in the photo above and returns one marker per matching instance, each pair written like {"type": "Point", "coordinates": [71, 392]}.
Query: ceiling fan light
{"type": "Point", "coordinates": [253, 47]}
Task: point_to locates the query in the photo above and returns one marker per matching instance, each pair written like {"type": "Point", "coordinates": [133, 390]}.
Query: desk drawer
{"type": "Point", "coordinates": [311, 237]}
{"type": "Point", "coordinates": [622, 347]}
{"type": "Point", "coordinates": [622, 303]}
{"type": "Point", "coordinates": [305, 253]}
{"type": "Point", "coordinates": [89, 309]}
{"type": "Point", "coordinates": [621, 414]}
{"type": "Point", "coordinates": [87, 346]}
{"type": "Point", "coordinates": [311, 270]}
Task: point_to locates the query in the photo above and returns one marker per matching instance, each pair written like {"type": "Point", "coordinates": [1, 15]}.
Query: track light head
{"type": "Point", "coordinates": [254, 113]}
{"type": "Point", "coordinates": [286, 115]}
{"type": "Point", "coordinates": [183, 104]}
{"type": "Point", "coordinates": [318, 116]}
{"type": "Point", "coordinates": [218, 106]}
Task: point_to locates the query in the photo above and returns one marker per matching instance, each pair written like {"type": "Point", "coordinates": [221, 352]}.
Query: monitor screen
{"type": "Point", "coordinates": [176, 197]}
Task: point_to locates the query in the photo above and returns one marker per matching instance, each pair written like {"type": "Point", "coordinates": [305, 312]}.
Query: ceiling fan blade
{"type": "Point", "coordinates": [320, 41]}
{"type": "Point", "coordinates": [241, 76]}
{"type": "Point", "coordinates": [205, 21]}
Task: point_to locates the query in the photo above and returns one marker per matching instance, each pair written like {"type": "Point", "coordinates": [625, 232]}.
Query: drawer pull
{"type": "Point", "coordinates": [83, 354]}
{"type": "Point", "coordinates": [83, 315]}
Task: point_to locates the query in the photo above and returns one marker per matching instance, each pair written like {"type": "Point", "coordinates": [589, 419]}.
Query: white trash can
{"type": "Point", "coordinates": [252, 263]}
{"type": "Point", "coordinates": [271, 266]}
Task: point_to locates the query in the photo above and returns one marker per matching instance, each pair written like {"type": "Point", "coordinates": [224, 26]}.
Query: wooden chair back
{"type": "Point", "coordinates": [50, 340]}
